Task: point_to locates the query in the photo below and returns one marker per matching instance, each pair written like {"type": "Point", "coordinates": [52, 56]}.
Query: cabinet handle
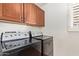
{"type": "Point", "coordinates": [24, 18]}
{"type": "Point", "coordinates": [21, 18]}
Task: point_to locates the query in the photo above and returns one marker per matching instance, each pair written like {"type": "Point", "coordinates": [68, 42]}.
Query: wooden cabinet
{"type": "Point", "coordinates": [0, 10]}
{"type": "Point", "coordinates": [11, 12]}
{"type": "Point", "coordinates": [39, 16]}
{"type": "Point", "coordinates": [27, 13]}
{"type": "Point", "coordinates": [33, 15]}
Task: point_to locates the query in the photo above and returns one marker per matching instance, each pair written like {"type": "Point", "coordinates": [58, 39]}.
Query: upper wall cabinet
{"type": "Point", "coordinates": [33, 15]}
{"type": "Point", "coordinates": [0, 10]}
{"type": "Point", "coordinates": [11, 12]}
{"type": "Point", "coordinates": [27, 13]}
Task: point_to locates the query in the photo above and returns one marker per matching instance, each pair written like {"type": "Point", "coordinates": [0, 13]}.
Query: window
{"type": "Point", "coordinates": [74, 17]}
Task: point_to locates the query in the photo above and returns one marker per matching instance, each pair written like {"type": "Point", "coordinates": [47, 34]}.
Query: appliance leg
{"type": "Point", "coordinates": [42, 48]}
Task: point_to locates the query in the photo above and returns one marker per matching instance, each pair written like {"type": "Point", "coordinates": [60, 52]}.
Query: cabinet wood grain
{"type": "Point", "coordinates": [33, 15]}
{"type": "Point", "coordinates": [27, 13]}
{"type": "Point", "coordinates": [0, 10]}
{"type": "Point", "coordinates": [11, 12]}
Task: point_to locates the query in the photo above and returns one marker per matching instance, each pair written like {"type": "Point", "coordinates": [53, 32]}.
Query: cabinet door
{"type": "Point", "coordinates": [33, 15]}
{"type": "Point", "coordinates": [12, 12]}
{"type": "Point", "coordinates": [0, 10]}
{"type": "Point", "coordinates": [29, 14]}
{"type": "Point", "coordinates": [40, 16]}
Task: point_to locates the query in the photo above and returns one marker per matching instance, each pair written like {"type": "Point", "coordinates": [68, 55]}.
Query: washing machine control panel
{"type": "Point", "coordinates": [14, 40]}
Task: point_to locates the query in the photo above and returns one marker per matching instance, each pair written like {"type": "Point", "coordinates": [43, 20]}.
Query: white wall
{"type": "Point", "coordinates": [65, 43]}
{"type": "Point", "coordinates": [16, 27]}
